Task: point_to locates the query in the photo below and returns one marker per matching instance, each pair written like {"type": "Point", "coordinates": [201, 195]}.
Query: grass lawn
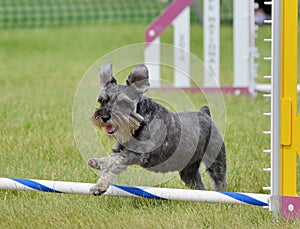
{"type": "Point", "coordinates": [40, 71]}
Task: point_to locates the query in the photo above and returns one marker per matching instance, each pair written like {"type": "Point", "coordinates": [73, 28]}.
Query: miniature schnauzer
{"type": "Point", "coordinates": [149, 135]}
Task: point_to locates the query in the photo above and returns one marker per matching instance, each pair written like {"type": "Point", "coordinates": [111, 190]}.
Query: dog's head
{"type": "Point", "coordinates": [118, 103]}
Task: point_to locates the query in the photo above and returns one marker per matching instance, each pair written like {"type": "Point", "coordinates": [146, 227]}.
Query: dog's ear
{"type": "Point", "coordinates": [139, 78]}
{"type": "Point", "coordinates": [105, 75]}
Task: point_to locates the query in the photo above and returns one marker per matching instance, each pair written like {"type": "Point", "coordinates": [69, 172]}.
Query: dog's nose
{"type": "Point", "coordinates": [105, 118]}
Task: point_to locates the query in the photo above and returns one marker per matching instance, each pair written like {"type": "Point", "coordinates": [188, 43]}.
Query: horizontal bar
{"type": "Point", "coordinates": [233, 90]}
{"type": "Point", "coordinates": [267, 151]}
{"type": "Point", "coordinates": [264, 88]}
{"type": "Point", "coordinates": [267, 114]}
{"type": "Point", "coordinates": [267, 132]}
{"type": "Point", "coordinates": [267, 58]}
{"type": "Point", "coordinates": [267, 95]}
{"type": "Point", "coordinates": [228, 90]}
{"type": "Point", "coordinates": [136, 191]}
{"type": "Point", "coordinates": [268, 3]}
{"type": "Point", "coordinates": [267, 169]}
{"type": "Point", "coordinates": [267, 21]}
{"type": "Point", "coordinates": [268, 40]}
{"type": "Point", "coordinates": [267, 77]}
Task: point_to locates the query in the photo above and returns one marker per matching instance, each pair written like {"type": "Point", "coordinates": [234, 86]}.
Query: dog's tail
{"type": "Point", "coordinates": [206, 110]}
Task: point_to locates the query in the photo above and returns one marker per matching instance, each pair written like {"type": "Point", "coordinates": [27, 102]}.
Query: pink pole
{"type": "Point", "coordinates": [165, 19]}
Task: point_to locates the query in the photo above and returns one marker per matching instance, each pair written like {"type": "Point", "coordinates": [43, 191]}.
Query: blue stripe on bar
{"type": "Point", "coordinates": [244, 198]}
{"type": "Point", "coordinates": [138, 192]}
{"type": "Point", "coordinates": [34, 185]}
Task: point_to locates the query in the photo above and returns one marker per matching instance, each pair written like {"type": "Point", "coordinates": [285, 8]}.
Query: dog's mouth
{"type": "Point", "coordinates": [110, 129]}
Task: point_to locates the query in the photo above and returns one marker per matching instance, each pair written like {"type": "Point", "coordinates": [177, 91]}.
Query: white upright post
{"type": "Point", "coordinates": [241, 25]}
{"type": "Point", "coordinates": [211, 24]}
{"type": "Point", "coordinates": [152, 61]}
{"type": "Point", "coordinates": [182, 49]}
{"type": "Point", "coordinates": [275, 109]}
{"type": "Point", "coordinates": [253, 49]}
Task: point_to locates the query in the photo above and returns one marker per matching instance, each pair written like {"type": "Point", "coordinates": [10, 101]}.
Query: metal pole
{"type": "Point", "coordinates": [275, 109]}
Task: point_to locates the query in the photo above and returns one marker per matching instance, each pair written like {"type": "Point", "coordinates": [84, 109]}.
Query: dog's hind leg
{"type": "Point", "coordinates": [217, 170]}
{"type": "Point", "coordinates": [190, 175]}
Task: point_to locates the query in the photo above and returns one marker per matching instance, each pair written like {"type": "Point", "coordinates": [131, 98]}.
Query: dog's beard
{"type": "Point", "coordinates": [121, 127]}
{"type": "Point", "coordinates": [126, 127]}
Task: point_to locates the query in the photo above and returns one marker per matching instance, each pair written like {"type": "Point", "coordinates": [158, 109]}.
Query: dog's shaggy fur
{"type": "Point", "coordinates": [149, 135]}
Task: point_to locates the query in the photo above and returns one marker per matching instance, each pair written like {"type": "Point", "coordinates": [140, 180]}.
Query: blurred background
{"type": "Point", "coordinates": [35, 13]}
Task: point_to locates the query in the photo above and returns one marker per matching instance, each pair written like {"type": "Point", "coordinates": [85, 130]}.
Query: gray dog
{"type": "Point", "coordinates": [149, 135]}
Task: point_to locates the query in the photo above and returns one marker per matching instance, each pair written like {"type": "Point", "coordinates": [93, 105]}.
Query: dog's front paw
{"type": "Point", "coordinates": [97, 190]}
{"type": "Point", "coordinates": [100, 188]}
{"type": "Point", "coordinates": [95, 163]}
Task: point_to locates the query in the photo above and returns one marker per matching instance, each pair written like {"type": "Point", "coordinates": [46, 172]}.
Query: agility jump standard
{"type": "Point", "coordinates": [285, 126]}
{"type": "Point", "coordinates": [177, 14]}
{"type": "Point", "coordinates": [136, 191]}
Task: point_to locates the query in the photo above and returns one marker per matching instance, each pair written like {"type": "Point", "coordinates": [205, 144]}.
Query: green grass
{"type": "Point", "coordinates": [40, 71]}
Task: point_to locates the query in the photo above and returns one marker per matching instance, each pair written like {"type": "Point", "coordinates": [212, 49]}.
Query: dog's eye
{"type": "Point", "coordinates": [103, 97]}
{"type": "Point", "coordinates": [100, 100]}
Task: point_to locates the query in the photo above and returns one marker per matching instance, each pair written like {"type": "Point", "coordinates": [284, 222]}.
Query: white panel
{"type": "Point", "coordinates": [152, 61]}
{"type": "Point", "coordinates": [182, 49]}
{"type": "Point", "coordinates": [211, 24]}
{"type": "Point", "coordinates": [241, 25]}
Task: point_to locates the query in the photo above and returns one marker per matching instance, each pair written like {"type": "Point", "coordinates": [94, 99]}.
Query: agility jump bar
{"type": "Point", "coordinates": [137, 191]}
